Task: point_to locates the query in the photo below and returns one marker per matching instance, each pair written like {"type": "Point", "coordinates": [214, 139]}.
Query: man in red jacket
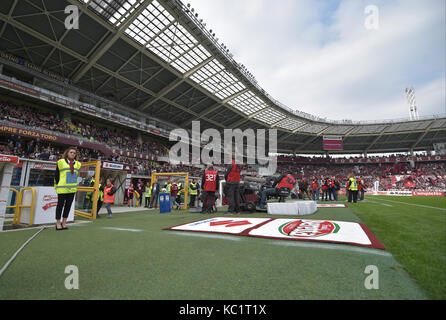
{"type": "Point", "coordinates": [232, 177]}
{"type": "Point", "coordinates": [284, 181]}
{"type": "Point", "coordinates": [209, 182]}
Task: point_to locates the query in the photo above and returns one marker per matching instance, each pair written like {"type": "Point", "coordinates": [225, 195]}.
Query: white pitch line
{"type": "Point", "coordinates": [18, 251]}
{"type": "Point", "coordinates": [415, 205]}
{"type": "Point", "coordinates": [331, 247]}
{"type": "Point", "coordinates": [206, 235]}
{"type": "Point", "coordinates": [383, 204]}
{"type": "Point", "coordinates": [122, 229]}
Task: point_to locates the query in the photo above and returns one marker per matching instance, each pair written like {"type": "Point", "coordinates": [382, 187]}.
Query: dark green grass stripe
{"type": "Point", "coordinates": [155, 264]}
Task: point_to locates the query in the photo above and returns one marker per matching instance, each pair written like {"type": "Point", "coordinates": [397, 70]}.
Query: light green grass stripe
{"type": "Point", "coordinates": [415, 205]}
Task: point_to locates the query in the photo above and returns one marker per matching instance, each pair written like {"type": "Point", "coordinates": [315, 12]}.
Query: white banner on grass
{"type": "Point", "coordinates": [315, 230]}
{"type": "Point", "coordinates": [222, 225]}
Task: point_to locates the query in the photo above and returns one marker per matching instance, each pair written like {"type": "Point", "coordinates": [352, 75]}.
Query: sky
{"type": "Point", "coordinates": [335, 59]}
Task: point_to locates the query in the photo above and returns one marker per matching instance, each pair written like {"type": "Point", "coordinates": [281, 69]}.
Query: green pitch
{"type": "Point", "coordinates": [131, 257]}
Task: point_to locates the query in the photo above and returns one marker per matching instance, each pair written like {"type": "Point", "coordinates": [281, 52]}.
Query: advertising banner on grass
{"type": "Point", "coordinates": [288, 229]}
{"type": "Point", "coordinates": [319, 231]}
{"type": "Point", "coordinates": [222, 225]}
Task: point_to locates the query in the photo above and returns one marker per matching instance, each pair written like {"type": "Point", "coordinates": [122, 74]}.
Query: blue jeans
{"type": "Point", "coordinates": [266, 193]}
{"type": "Point", "coordinates": [334, 192]}
{"type": "Point", "coordinates": [315, 195]}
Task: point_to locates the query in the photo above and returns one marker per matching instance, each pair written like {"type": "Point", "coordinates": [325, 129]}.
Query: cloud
{"type": "Point", "coordinates": [318, 57]}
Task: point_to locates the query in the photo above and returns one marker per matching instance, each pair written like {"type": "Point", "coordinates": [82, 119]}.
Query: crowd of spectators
{"type": "Point", "coordinates": [324, 159]}
{"type": "Point", "coordinates": [398, 176]}
{"type": "Point", "coordinates": [112, 137]}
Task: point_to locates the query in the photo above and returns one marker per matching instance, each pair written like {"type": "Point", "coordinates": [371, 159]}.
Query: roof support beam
{"type": "Point", "coordinates": [8, 17]}
{"type": "Point", "coordinates": [423, 135]}
{"type": "Point", "coordinates": [175, 84]}
{"type": "Point", "coordinates": [110, 41]}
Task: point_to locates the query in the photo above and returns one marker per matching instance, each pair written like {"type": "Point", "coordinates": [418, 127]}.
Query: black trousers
{"type": "Point", "coordinates": [99, 206]}
{"type": "Point", "coordinates": [147, 201]}
{"type": "Point", "coordinates": [193, 197]}
{"type": "Point", "coordinates": [353, 195]}
{"type": "Point", "coordinates": [154, 200]}
{"type": "Point", "coordinates": [208, 199]}
{"type": "Point", "coordinates": [64, 202]}
{"type": "Point", "coordinates": [233, 194]}
{"type": "Point", "coordinates": [326, 195]}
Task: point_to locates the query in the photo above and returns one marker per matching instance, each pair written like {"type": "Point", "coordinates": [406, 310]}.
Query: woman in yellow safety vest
{"type": "Point", "coordinates": [352, 188]}
{"type": "Point", "coordinates": [147, 195]}
{"type": "Point", "coordinates": [67, 173]}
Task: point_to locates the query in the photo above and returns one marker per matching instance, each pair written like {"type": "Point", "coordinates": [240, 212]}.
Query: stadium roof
{"type": "Point", "coordinates": [156, 57]}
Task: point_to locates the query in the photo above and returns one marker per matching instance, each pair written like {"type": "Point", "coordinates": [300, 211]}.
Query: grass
{"type": "Point", "coordinates": [158, 264]}
{"type": "Point", "coordinates": [415, 235]}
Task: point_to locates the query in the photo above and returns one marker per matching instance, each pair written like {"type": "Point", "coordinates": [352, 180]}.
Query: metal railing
{"type": "Point", "coordinates": [20, 206]}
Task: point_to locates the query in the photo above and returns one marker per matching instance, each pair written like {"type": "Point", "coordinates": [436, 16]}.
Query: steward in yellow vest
{"type": "Point", "coordinates": [147, 195]}
{"type": "Point", "coordinates": [193, 191]}
{"type": "Point", "coordinates": [66, 179]}
{"type": "Point", "coordinates": [353, 188]}
{"type": "Point", "coordinates": [65, 183]}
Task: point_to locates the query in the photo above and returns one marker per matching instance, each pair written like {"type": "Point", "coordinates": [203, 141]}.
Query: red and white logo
{"type": "Point", "coordinates": [308, 228]}
{"type": "Point", "coordinates": [9, 159]}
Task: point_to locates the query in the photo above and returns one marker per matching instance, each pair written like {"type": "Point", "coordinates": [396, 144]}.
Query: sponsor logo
{"type": "Point", "coordinates": [43, 166]}
{"type": "Point", "coordinates": [230, 223]}
{"type": "Point", "coordinates": [428, 193]}
{"type": "Point", "coordinates": [49, 198]}
{"type": "Point", "coordinates": [113, 166]}
{"type": "Point", "coordinates": [9, 159]}
{"type": "Point", "coordinates": [49, 205]}
{"type": "Point", "coordinates": [308, 228]}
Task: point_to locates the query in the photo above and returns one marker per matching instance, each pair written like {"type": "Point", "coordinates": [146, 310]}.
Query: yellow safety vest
{"type": "Point", "coordinates": [67, 180]}
{"type": "Point", "coordinates": [193, 192]}
{"type": "Point", "coordinates": [101, 194]}
{"type": "Point", "coordinates": [148, 193]}
{"type": "Point", "coordinates": [353, 184]}
{"type": "Point", "coordinates": [90, 194]}
{"type": "Point", "coordinates": [168, 187]}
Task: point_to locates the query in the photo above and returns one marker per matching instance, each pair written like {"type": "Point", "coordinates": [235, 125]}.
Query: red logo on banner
{"type": "Point", "coordinates": [230, 223]}
{"type": "Point", "coordinates": [49, 205]}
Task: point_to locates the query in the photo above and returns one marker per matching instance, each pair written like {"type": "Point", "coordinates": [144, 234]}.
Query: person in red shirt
{"type": "Point", "coordinates": [361, 188]}
{"type": "Point", "coordinates": [326, 190]}
{"type": "Point", "coordinates": [232, 177]}
{"type": "Point", "coordinates": [173, 195]}
{"type": "Point", "coordinates": [130, 193]}
{"type": "Point", "coordinates": [210, 182]}
{"type": "Point", "coordinates": [284, 181]}
{"type": "Point", "coordinates": [315, 189]}
{"type": "Point", "coordinates": [334, 187]}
